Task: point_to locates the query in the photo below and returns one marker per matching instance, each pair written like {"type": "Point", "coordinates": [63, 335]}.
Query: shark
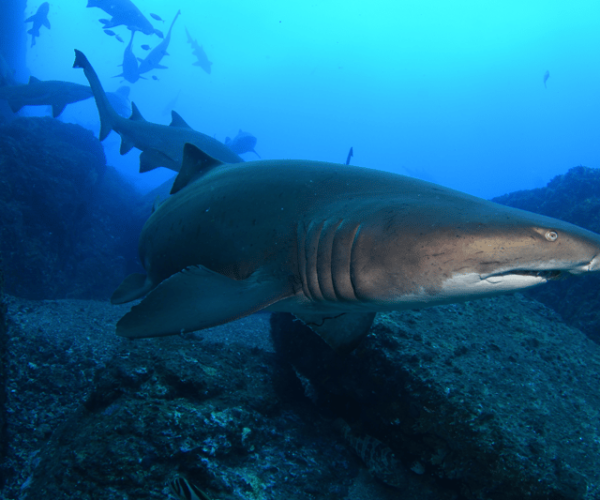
{"type": "Point", "coordinates": [243, 142]}
{"type": "Point", "coordinates": [130, 66]}
{"type": "Point", "coordinates": [39, 19]}
{"type": "Point", "coordinates": [198, 51]}
{"type": "Point", "coordinates": [50, 92]}
{"type": "Point", "coordinates": [152, 60]}
{"type": "Point", "coordinates": [161, 145]}
{"type": "Point", "coordinates": [124, 12]}
{"type": "Point", "coordinates": [333, 245]}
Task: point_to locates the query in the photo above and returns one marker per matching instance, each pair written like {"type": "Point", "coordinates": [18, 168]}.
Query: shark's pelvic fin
{"type": "Point", "coordinates": [126, 145]}
{"type": "Point", "coordinates": [152, 158]}
{"type": "Point", "coordinates": [198, 298]}
{"type": "Point", "coordinates": [133, 287]}
{"type": "Point", "coordinates": [341, 331]}
{"type": "Point", "coordinates": [195, 164]}
{"type": "Point", "coordinates": [57, 109]}
{"type": "Point", "coordinates": [15, 106]}
{"type": "Point", "coordinates": [33, 79]}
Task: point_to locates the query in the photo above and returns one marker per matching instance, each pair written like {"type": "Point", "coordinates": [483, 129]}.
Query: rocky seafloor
{"type": "Point", "coordinates": [490, 399]}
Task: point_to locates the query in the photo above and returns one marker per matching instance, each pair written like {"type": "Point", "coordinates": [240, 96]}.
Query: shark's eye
{"type": "Point", "coordinates": [551, 235]}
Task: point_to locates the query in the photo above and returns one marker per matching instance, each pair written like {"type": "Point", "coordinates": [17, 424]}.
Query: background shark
{"type": "Point", "coordinates": [243, 142]}
{"type": "Point", "coordinates": [38, 93]}
{"type": "Point", "coordinates": [39, 19]}
{"type": "Point", "coordinates": [124, 12]}
{"type": "Point", "coordinates": [130, 64]}
{"type": "Point", "coordinates": [198, 51]}
{"type": "Point", "coordinates": [162, 146]}
{"type": "Point", "coordinates": [152, 60]}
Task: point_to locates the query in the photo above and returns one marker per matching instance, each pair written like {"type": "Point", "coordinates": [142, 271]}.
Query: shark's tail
{"type": "Point", "coordinates": [108, 116]}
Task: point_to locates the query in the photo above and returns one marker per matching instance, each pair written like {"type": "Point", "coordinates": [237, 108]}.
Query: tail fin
{"type": "Point", "coordinates": [108, 116]}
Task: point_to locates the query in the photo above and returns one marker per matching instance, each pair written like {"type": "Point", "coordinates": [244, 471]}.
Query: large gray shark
{"type": "Point", "coordinates": [332, 244]}
{"type": "Point", "coordinates": [39, 19]}
{"type": "Point", "coordinates": [161, 145]}
{"type": "Point", "coordinates": [124, 12]}
{"type": "Point", "coordinates": [50, 92]}
{"type": "Point", "coordinates": [152, 60]}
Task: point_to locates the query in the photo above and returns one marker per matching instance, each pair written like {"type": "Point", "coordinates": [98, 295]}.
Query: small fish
{"type": "Point", "coordinates": [350, 155]}
{"type": "Point", "coordinates": [155, 78]}
{"type": "Point", "coordinates": [119, 38]}
{"type": "Point", "coordinates": [159, 33]}
{"type": "Point", "coordinates": [182, 489]}
{"type": "Point", "coordinates": [546, 76]}
{"type": "Point", "coordinates": [157, 17]}
{"type": "Point", "coordinates": [146, 46]}
{"type": "Point", "coordinates": [110, 32]}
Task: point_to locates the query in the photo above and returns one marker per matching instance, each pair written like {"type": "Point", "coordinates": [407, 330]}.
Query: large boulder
{"type": "Point", "coordinates": [495, 399]}
{"type": "Point", "coordinates": [69, 224]}
{"type": "Point", "coordinates": [94, 416]}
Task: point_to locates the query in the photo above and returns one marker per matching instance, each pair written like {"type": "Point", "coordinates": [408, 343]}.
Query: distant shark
{"type": "Point", "coordinates": [152, 60]}
{"type": "Point", "coordinates": [243, 142]}
{"type": "Point", "coordinates": [39, 93]}
{"type": "Point", "coordinates": [39, 19]}
{"type": "Point", "coordinates": [161, 145]}
{"type": "Point", "coordinates": [130, 66]}
{"type": "Point", "coordinates": [124, 12]}
{"type": "Point", "coordinates": [198, 51]}
{"type": "Point", "coordinates": [332, 244]}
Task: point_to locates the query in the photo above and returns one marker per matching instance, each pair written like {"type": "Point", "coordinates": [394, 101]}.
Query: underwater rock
{"type": "Point", "coordinates": [93, 415]}
{"type": "Point", "coordinates": [68, 227]}
{"type": "Point", "coordinates": [573, 197]}
{"type": "Point", "coordinates": [495, 398]}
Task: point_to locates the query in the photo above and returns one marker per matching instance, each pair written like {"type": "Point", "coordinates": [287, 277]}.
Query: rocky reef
{"type": "Point", "coordinates": [493, 399]}
{"type": "Point", "coordinates": [573, 197]}
{"type": "Point", "coordinates": [68, 223]}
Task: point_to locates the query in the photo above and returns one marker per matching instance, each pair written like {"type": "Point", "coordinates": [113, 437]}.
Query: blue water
{"type": "Point", "coordinates": [451, 92]}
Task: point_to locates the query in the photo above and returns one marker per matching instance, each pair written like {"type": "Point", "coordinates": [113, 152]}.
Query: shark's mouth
{"type": "Point", "coordinates": [549, 274]}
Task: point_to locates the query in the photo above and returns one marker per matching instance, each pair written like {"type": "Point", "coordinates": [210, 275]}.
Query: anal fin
{"type": "Point", "coordinates": [342, 331]}
{"type": "Point", "coordinates": [133, 287]}
{"type": "Point", "coordinates": [198, 298]}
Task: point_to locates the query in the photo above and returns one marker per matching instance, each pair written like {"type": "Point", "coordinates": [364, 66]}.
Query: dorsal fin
{"type": "Point", "coordinates": [195, 164]}
{"type": "Point", "coordinates": [135, 114]}
{"type": "Point", "coordinates": [33, 79]}
{"type": "Point", "coordinates": [177, 121]}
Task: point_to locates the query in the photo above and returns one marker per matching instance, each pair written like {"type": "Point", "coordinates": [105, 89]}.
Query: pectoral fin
{"type": "Point", "coordinates": [341, 331]}
{"type": "Point", "coordinates": [198, 298]}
